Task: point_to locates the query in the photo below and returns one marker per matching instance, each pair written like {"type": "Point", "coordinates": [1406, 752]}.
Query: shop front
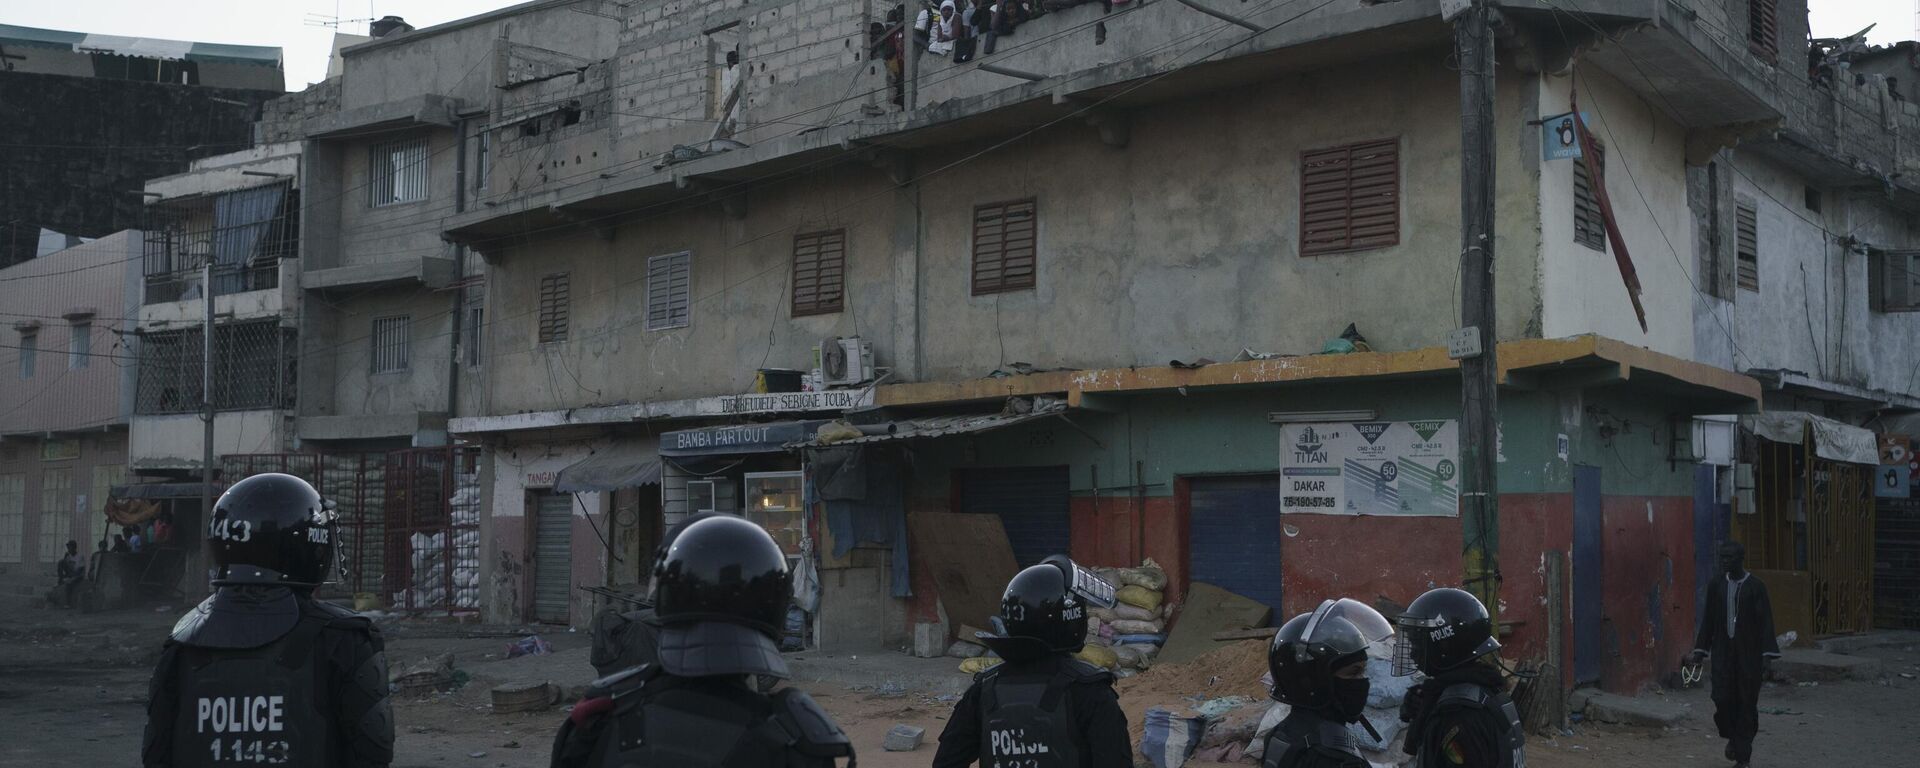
{"type": "Point", "coordinates": [570, 521]}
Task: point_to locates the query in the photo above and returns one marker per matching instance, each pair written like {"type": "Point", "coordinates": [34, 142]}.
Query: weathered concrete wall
{"type": "Point", "coordinates": [93, 283]}
{"type": "Point", "coordinates": [101, 462]}
{"type": "Point", "coordinates": [457, 59]}
{"type": "Point", "coordinates": [173, 440]}
{"type": "Point", "coordinates": [283, 300]}
{"type": "Point", "coordinates": [343, 357]}
{"type": "Point", "coordinates": [1581, 288]}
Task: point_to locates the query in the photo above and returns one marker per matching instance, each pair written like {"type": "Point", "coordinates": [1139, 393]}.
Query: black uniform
{"type": "Point", "coordinates": [623, 640]}
{"type": "Point", "coordinates": [643, 717]}
{"type": "Point", "coordinates": [1058, 701]}
{"type": "Point", "coordinates": [267, 675]}
{"type": "Point", "coordinates": [1462, 718]}
{"type": "Point", "coordinates": [1305, 739]}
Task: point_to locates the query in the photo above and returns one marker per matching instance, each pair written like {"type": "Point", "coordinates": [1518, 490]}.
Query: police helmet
{"type": "Point", "coordinates": [1311, 647]}
{"type": "Point", "coordinates": [1443, 630]}
{"type": "Point", "coordinates": [271, 529]}
{"type": "Point", "coordinates": [720, 595]}
{"type": "Point", "coordinates": [1044, 609]}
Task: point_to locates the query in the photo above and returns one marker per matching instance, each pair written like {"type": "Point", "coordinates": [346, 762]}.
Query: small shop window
{"type": "Point", "coordinates": [774, 503]}
{"type": "Point", "coordinates": [700, 496]}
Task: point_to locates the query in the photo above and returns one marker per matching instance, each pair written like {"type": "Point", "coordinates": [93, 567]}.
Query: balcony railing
{"type": "Point", "coordinates": [245, 233]}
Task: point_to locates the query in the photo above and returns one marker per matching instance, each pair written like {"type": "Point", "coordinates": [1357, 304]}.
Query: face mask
{"type": "Point", "coordinates": [1349, 697]}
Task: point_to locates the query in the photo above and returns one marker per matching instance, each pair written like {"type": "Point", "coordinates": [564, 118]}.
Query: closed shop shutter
{"type": "Point", "coordinates": [1235, 536]}
{"type": "Point", "coordinates": [1031, 503]}
{"type": "Point", "coordinates": [552, 557]}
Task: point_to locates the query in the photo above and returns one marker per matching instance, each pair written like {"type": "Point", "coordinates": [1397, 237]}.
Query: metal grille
{"type": "Point", "coordinates": [556, 300]}
{"type": "Point", "coordinates": [475, 333]}
{"type": "Point", "coordinates": [245, 232]}
{"type": "Point", "coordinates": [392, 343]}
{"type": "Point", "coordinates": [1747, 246]}
{"type": "Point", "coordinates": [1816, 515]}
{"type": "Point", "coordinates": [13, 513]}
{"type": "Point", "coordinates": [1589, 228]}
{"type": "Point", "coordinates": [669, 289]}
{"type": "Point", "coordinates": [397, 172]}
{"type": "Point", "coordinates": [1763, 29]}
{"type": "Point", "coordinates": [1350, 197]}
{"type": "Point", "coordinates": [56, 512]}
{"type": "Point", "coordinates": [819, 278]}
{"type": "Point", "coordinates": [553, 557]}
{"type": "Point", "coordinates": [1896, 576]}
{"type": "Point", "coordinates": [432, 532]}
{"type": "Point", "coordinates": [1004, 246]}
{"type": "Point", "coordinates": [253, 368]}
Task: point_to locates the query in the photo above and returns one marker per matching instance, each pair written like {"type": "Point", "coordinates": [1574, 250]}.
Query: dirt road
{"type": "Point", "coordinates": [73, 692]}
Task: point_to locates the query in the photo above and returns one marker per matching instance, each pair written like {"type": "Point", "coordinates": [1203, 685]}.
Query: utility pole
{"type": "Point", "coordinates": [206, 396]}
{"type": "Point", "coordinates": [1479, 370]}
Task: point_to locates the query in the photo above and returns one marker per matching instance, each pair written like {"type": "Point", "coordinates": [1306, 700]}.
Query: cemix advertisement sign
{"type": "Point", "coordinates": [1370, 468]}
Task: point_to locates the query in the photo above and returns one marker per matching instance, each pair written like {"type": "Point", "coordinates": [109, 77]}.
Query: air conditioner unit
{"type": "Point", "coordinates": [842, 362]}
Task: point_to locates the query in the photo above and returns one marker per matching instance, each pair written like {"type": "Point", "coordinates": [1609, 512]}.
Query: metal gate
{"type": "Point", "coordinates": [552, 556]}
{"type": "Point", "coordinates": [1589, 581]}
{"type": "Point", "coordinates": [1235, 536]}
{"type": "Point", "coordinates": [1816, 515]}
{"type": "Point", "coordinates": [1896, 577]}
{"type": "Point", "coordinates": [1031, 503]}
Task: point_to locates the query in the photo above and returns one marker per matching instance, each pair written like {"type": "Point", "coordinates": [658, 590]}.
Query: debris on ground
{"type": "Point", "coordinates": [531, 645]}
{"type": "Point", "coordinates": [978, 664]}
{"type": "Point", "coordinates": [1170, 736]}
{"type": "Point", "coordinates": [429, 675]}
{"type": "Point", "coordinates": [1206, 611]}
{"type": "Point", "coordinates": [524, 697]}
{"type": "Point", "coordinates": [903, 738]}
{"type": "Point", "coordinates": [961, 649]}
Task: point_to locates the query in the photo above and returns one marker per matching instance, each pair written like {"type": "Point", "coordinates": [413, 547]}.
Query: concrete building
{"type": "Point", "coordinates": [1046, 228]}
{"type": "Point", "coordinates": [93, 116]}
{"type": "Point", "coordinates": [65, 403]}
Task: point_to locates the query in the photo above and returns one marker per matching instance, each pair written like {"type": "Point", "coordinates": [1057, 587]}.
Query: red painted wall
{"type": "Point", "coordinates": [1647, 549]}
{"type": "Point", "coordinates": [1120, 531]}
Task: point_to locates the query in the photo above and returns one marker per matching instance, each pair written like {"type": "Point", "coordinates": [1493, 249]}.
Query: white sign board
{"type": "Point", "coordinates": [779, 402]}
{"type": "Point", "coordinates": [1371, 468]}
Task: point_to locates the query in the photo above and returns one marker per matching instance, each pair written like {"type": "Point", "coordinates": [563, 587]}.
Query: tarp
{"type": "Point", "coordinates": [771, 437]}
{"type": "Point", "coordinates": [622, 465]}
{"type": "Point", "coordinates": [864, 492]}
{"type": "Point", "coordinates": [1831, 439]}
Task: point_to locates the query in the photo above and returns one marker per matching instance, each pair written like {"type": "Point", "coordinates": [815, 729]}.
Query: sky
{"type": "Point", "coordinates": [293, 24]}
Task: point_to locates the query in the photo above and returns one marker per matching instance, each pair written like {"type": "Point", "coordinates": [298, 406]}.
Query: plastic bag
{"type": "Point", "coordinates": [1134, 594]}
{"type": "Point", "coordinates": [1131, 627]}
{"type": "Point", "coordinates": [1134, 612]}
{"type": "Point", "coordinates": [1099, 656]}
{"type": "Point", "coordinates": [1148, 575]}
{"type": "Point", "coordinates": [977, 665]}
{"type": "Point", "coordinates": [1170, 739]}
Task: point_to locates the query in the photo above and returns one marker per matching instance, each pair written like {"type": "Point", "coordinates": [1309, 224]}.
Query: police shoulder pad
{"type": "Point", "coordinates": [813, 731]}
{"type": "Point", "coordinates": [234, 620]}
{"type": "Point", "coordinates": [337, 616]}
{"type": "Point", "coordinates": [1084, 672]}
{"type": "Point", "coordinates": [623, 682]}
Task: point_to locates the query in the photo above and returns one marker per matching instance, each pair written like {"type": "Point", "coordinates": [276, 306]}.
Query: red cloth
{"type": "Point", "coordinates": [588, 708]}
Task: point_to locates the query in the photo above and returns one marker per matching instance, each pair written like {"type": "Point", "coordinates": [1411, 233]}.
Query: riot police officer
{"type": "Point", "coordinates": [720, 593]}
{"type": "Point", "coordinates": [1461, 715]}
{"type": "Point", "coordinates": [1319, 666]}
{"type": "Point", "coordinates": [1040, 708]}
{"type": "Point", "coordinates": [260, 672]}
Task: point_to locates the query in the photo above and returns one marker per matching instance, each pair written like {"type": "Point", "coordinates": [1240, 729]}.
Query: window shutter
{"type": "Point", "coordinates": [1894, 282]}
{"type": "Point", "coordinates": [1747, 246]}
{"type": "Point", "coordinates": [669, 287]}
{"type": "Point", "coordinates": [1589, 227]}
{"type": "Point", "coordinates": [556, 296]}
{"type": "Point", "coordinates": [819, 280]}
{"type": "Point", "coordinates": [1004, 247]}
{"type": "Point", "coordinates": [1350, 197]}
{"type": "Point", "coordinates": [1763, 28]}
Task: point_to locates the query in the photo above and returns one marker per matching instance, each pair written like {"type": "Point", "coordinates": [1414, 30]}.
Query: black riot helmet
{"type": "Point", "coordinates": [726, 569]}
{"type": "Point", "coordinates": [1311, 647]}
{"type": "Point", "coordinates": [271, 529]}
{"type": "Point", "coordinates": [1443, 630]}
{"type": "Point", "coordinates": [1045, 610]}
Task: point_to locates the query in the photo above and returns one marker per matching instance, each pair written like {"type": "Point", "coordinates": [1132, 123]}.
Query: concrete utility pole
{"type": "Point", "coordinates": [206, 397]}
{"type": "Point", "coordinates": [1479, 370]}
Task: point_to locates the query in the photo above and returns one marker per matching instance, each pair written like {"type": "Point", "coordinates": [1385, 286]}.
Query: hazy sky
{"type": "Point", "coordinates": [288, 23]}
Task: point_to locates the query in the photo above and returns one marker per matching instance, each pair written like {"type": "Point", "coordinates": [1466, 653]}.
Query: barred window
{"type": "Point", "coordinates": [556, 303]}
{"type": "Point", "coordinates": [13, 513]}
{"type": "Point", "coordinates": [56, 512]}
{"type": "Point", "coordinates": [245, 233]}
{"type": "Point", "coordinates": [397, 172]}
{"type": "Point", "coordinates": [669, 290]}
{"type": "Point", "coordinates": [392, 343]}
{"type": "Point", "coordinates": [29, 349]}
{"type": "Point", "coordinates": [254, 365]}
{"type": "Point", "coordinates": [80, 346]}
{"type": "Point", "coordinates": [819, 279]}
{"type": "Point", "coordinates": [1004, 246]}
{"type": "Point", "coordinates": [1350, 197]}
{"type": "Point", "coordinates": [475, 331]}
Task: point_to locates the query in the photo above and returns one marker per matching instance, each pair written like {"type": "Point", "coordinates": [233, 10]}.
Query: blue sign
{"type": "Point", "coordinates": [1893, 481]}
{"type": "Point", "coordinates": [1559, 139]}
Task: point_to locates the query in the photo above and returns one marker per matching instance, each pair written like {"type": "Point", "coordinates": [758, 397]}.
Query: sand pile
{"type": "Point", "coordinates": [1231, 670]}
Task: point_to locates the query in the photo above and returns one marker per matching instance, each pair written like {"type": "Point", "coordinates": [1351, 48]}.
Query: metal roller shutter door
{"type": "Point", "coordinates": [1235, 536]}
{"type": "Point", "coordinates": [1031, 503]}
{"type": "Point", "coordinates": [552, 557]}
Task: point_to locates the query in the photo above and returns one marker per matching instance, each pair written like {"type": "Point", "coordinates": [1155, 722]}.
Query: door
{"type": "Point", "coordinates": [1587, 577]}
{"type": "Point", "coordinates": [552, 556]}
{"type": "Point", "coordinates": [1234, 535]}
{"type": "Point", "coordinates": [1709, 529]}
{"type": "Point", "coordinates": [1031, 503]}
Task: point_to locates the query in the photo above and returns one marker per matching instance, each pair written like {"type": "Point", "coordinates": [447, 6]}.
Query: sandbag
{"type": "Point", "coordinates": [962, 649]}
{"type": "Point", "coordinates": [1149, 575]}
{"type": "Point", "coordinates": [1105, 614]}
{"type": "Point", "coordinates": [977, 665]}
{"type": "Point", "coordinates": [1134, 594]}
{"type": "Point", "coordinates": [1131, 627]}
{"type": "Point", "coordinates": [1170, 738]}
{"type": "Point", "coordinates": [1134, 612]}
{"type": "Point", "coordinates": [1099, 655]}
{"type": "Point", "coordinates": [1135, 656]}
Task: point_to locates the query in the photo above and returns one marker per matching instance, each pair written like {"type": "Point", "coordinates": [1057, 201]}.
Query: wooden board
{"type": "Point", "coordinates": [1792, 595]}
{"type": "Point", "coordinates": [970, 560]}
{"type": "Point", "coordinates": [1208, 610]}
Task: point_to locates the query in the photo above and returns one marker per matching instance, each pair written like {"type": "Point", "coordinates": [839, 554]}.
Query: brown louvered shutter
{"type": "Point", "coordinates": [555, 300]}
{"type": "Point", "coordinates": [1003, 247]}
{"type": "Point", "coordinates": [1350, 197]}
{"type": "Point", "coordinates": [1747, 246]}
{"type": "Point", "coordinates": [669, 290]}
{"type": "Point", "coordinates": [1763, 28]}
{"type": "Point", "coordinates": [1589, 228]}
{"type": "Point", "coordinates": [819, 272]}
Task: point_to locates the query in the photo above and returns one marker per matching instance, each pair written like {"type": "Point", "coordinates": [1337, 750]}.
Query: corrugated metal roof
{"type": "Point", "coordinates": [144, 47]}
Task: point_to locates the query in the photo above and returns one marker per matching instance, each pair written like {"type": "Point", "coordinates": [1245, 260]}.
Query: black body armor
{"type": "Point", "coordinates": [1512, 746]}
{"type": "Point", "coordinates": [1028, 720]}
{"type": "Point", "coordinates": [1302, 733]}
{"type": "Point", "coordinates": [657, 720]}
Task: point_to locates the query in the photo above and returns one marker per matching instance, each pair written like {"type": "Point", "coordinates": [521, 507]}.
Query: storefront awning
{"type": "Point", "coordinates": [159, 491]}
{"type": "Point", "coordinates": [928, 428]}
{"type": "Point", "coordinates": [624, 465]}
{"type": "Point", "coordinates": [771, 437]}
{"type": "Point", "coordinates": [1831, 439]}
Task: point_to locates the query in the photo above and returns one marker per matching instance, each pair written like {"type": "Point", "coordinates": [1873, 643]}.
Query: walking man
{"type": "Point", "coordinates": [1736, 631]}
